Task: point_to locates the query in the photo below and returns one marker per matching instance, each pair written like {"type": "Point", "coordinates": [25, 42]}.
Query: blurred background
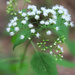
{"type": "Point", "coordinates": [6, 46]}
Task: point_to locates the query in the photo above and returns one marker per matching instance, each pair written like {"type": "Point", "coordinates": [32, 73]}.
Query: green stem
{"type": "Point", "coordinates": [23, 57]}
{"type": "Point", "coordinates": [34, 47]}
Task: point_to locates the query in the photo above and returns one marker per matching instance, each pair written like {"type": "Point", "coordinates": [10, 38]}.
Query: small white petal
{"type": "Point", "coordinates": [37, 35]}
{"type": "Point", "coordinates": [23, 14]}
{"type": "Point", "coordinates": [11, 33]}
{"type": "Point", "coordinates": [16, 29]}
{"type": "Point", "coordinates": [37, 17]}
{"type": "Point", "coordinates": [22, 37]}
{"type": "Point", "coordinates": [8, 29]}
{"type": "Point", "coordinates": [30, 25]}
{"type": "Point", "coordinates": [32, 30]}
{"type": "Point", "coordinates": [49, 32]}
{"type": "Point", "coordinates": [42, 22]}
{"type": "Point", "coordinates": [57, 28]}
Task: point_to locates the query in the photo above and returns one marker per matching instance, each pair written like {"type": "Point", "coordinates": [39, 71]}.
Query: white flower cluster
{"type": "Point", "coordinates": [12, 24]}
{"type": "Point", "coordinates": [64, 15]}
{"type": "Point", "coordinates": [49, 19]}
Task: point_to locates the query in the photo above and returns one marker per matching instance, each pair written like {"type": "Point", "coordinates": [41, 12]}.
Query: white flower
{"type": "Point", "coordinates": [8, 29]}
{"type": "Point", "coordinates": [45, 14]}
{"type": "Point", "coordinates": [61, 49]}
{"type": "Point", "coordinates": [48, 32]}
{"type": "Point", "coordinates": [38, 12]}
{"type": "Point", "coordinates": [60, 11]}
{"type": "Point", "coordinates": [30, 25]}
{"type": "Point", "coordinates": [23, 21]}
{"type": "Point", "coordinates": [9, 24]}
{"type": "Point", "coordinates": [15, 18]}
{"type": "Point", "coordinates": [16, 29]}
{"type": "Point", "coordinates": [43, 8]}
{"type": "Point", "coordinates": [55, 7]}
{"type": "Point", "coordinates": [29, 38]}
{"type": "Point", "coordinates": [7, 2]}
{"type": "Point", "coordinates": [54, 17]}
{"type": "Point", "coordinates": [59, 46]}
{"type": "Point", "coordinates": [57, 28]}
{"type": "Point", "coordinates": [30, 13]}
{"type": "Point", "coordinates": [26, 18]}
{"type": "Point", "coordinates": [51, 52]}
{"type": "Point", "coordinates": [37, 17]}
{"type": "Point", "coordinates": [42, 22]}
{"type": "Point", "coordinates": [20, 12]}
{"type": "Point", "coordinates": [12, 21]}
{"type": "Point", "coordinates": [37, 35]}
{"type": "Point", "coordinates": [32, 7]}
{"type": "Point", "coordinates": [72, 24]}
{"type": "Point", "coordinates": [23, 14]}
{"type": "Point", "coordinates": [22, 37]}
{"type": "Point", "coordinates": [66, 23]}
{"type": "Point", "coordinates": [46, 23]}
{"type": "Point", "coordinates": [11, 33]}
{"type": "Point", "coordinates": [32, 30]}
{"type": "Point", "coordinates": [15, 23]}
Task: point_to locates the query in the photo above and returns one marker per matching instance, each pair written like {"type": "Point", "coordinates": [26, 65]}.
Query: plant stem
{"type": "Point", "coordinates": [23, 57]}
{"type": "Point", "coordinates": [34, 47]}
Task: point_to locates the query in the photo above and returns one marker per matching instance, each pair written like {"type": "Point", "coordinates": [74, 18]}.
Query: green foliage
{"type": "Point", "coordinates": [65, 63]}
{"type": "Point", "coordinates": [18, 41]}
{"type": "Point", "coordinates": [63, 30]}
{"type": "Point", "coordinates": [71, 46]}
{"type": "Point", "coordinates": [43, 64]}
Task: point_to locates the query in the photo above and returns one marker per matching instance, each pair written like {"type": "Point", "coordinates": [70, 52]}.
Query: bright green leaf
{"type": "Point", "coordinates": [18, 41]}
{"type": "Point", "coordinates": [66, 63]}
{"type": "Point", "coordinates": [43, 64]}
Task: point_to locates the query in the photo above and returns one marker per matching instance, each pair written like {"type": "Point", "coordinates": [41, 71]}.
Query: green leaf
{"type": "Point", "coordinates": [43, 64]}
{"type": "Point", "coordinates": [18, 41]}
{"type": "Point", "coordinates": [66, 63]}
{"type": "Point", "coordinates": [71, 45]}
{"type": "Point", "coordinates": [63, 30]}
{"type": "Point", "coordinates": [13, 39]}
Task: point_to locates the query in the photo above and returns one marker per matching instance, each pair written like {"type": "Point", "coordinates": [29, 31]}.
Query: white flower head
{"type": "Point", "coordinates": [9, 24]}
{"type": "Point", "coordinates": [72, 24]}
{"type": "Point", "coordinates": [32, 30]}
{"type": "Point", "coordinates": [48, 32]}
{"type": "Point", "coordinates": [60, 11]}
{"type": "Point", "coordinates": [22, 37]}
{"type": "Point", "coordinates": [51, 52]}
{"type": "Point", "coordinates": [15, 18]}
{"type": "Point", "coordinates": [42, 22]}
{"type": "Point", "coordinates": [8, 2]}
{"type": "Point", "coordinates": [23, 21]}
{"type": "Point", "coordinates": [30, 25]}
{"type": "Point", "coordinates": [11, 33]}
{"type": "Point", "coordinates": [57, 28]}
{"type": "Point", "coordinates": [8, 29]}
{"type": "Point", "coordinates": [26, 18]}
{"type": "Point", "coordinates": [37, 17]}
{"type": "Point", "coordinates": [61, 49]}
{"type": "Point", "coordinates": [16, 29]}
{"type": "Point", "coordinates": [66, 23]}
{"type": "Point", "coordinates": [37, 35]}
{"type": "Point", "coordinates": [46, 23]}
{"type": "Point", "coordinates": [23, 14]}
{"type": "Point", "coordinates": [20, 12]}
{"type": "Point", "coordinates": [38, 12]}
{"type": "Point", "coordinates": [15, 23]}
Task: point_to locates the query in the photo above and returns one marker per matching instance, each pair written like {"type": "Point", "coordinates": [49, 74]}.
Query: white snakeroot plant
{"type": "Point", "coordinates": [33, 21]}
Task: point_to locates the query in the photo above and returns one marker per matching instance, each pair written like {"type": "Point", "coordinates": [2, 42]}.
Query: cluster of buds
{"type": "Point", "coordinates": [11, 5]}
{"type": "Point", "coordinates": [55, 49]}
